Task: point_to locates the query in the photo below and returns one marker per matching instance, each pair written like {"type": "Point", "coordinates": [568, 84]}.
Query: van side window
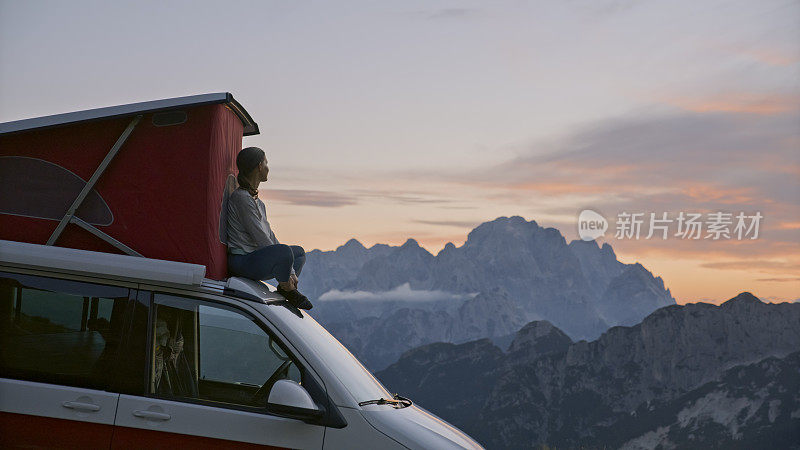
{"type": "Point", "coordinates": [59, 331]}
{"type": "Point", "coordinates": [210, 352]}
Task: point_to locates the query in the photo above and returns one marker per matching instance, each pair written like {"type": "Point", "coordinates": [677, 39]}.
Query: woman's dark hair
{"type": "Point", "coordinates": [248, 159]}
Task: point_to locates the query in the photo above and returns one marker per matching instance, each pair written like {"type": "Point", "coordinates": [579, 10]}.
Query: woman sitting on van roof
{"type": "Point", "coordinates": [253, 250]}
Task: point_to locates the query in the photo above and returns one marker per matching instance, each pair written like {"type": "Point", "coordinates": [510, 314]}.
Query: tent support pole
{"type": "Point", "coordinates": [90, 228]}
{"type": "Point", "coordinates": [92, 181]}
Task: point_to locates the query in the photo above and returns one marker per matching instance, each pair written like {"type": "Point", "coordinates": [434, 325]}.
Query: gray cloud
{"type": "Point", "coordinates": [451, 223]}
{"type": "Point", "coordinates": [687, 161]}
{"type": "Point", "coordinates": [444, 13]}
{"type": "Point", "coordinates": [645, 150]}
{"type": "Point", "coordinates": [311, 198]}
{"type": "Point", "coordinates": [452, 13]}
{"type": "Point", "coordinates": [412, 199]}
{"type": "Point", "coordinates": [406, 198]}
{"type": "Point", "coordinates": [604, 8]}
{"type": "Point", "coordinates": [459, 207]}
{"type": "Point", "coordinates": [758, 265]}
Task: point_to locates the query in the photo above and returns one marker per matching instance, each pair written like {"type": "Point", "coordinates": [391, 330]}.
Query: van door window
{"type": "Point", "coordinates": [59, 331]}
{"type": "Point", "coordinates": [214, 353]}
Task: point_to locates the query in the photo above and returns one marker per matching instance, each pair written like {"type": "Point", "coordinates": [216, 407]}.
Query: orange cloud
{"type": "Point", "coordinates": [738, 103]}
{"type": "Point", "coordinates": [788, 226]}
{"type": "Point", "coordinates": [778, 167]}
{"type": "Point", "coordinates": [729, 195]}
{"type": "Point", "coordinates": [304, 197]}
{"type": "Point", "coordinates": [698, 192]}
{"type": "Point", "coordinates": [761, 265]}
{"type": "Point", "coordinates": [606, 170]}
{"type": "Point", "coordinates": [769, 56]}
{"type": "Point", "coordinates": [779, 280]}
{"type": "Point", "coordinates": [558, 188]}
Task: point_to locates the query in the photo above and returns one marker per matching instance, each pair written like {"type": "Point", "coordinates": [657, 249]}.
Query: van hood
{"type": "Point", "coordinates": [416, 428]}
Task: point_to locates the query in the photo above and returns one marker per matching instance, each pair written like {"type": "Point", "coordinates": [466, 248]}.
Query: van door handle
{"type": "Point", "coordinates": [151, 415]}
{"type": "Point", "coordinates": [81, 406]}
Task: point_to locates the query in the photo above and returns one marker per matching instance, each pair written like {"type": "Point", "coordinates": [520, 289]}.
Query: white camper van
{"type": "Point", "coordinates": [108, 350]}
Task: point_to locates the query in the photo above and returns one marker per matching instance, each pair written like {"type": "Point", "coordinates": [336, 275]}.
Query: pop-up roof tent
{"type": "Point", "coordinates": [147, 179]}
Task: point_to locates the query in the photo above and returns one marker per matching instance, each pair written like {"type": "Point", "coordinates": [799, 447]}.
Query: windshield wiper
{"type": "Point", "coordinates": [405, 401]}
{"type": "Point", "coordinates": [397, 401]}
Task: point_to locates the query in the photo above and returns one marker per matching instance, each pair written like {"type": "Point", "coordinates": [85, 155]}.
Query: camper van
{"type": "Point", "coordinates": [119, 327]}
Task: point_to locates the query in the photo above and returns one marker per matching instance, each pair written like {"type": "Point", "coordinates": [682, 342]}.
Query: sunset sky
{"type": "Point", "coordinates": [384, 121]}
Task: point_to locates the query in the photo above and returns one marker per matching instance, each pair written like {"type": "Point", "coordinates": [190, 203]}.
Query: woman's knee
{"type": "Point", "coordinates": [286, 250]}
{"type": "Point", "coordinates": [275, 251]}
{"type": "Point", "coordinates": [271, 255]}
{"type": "Point", "coordinates": [299, 258]}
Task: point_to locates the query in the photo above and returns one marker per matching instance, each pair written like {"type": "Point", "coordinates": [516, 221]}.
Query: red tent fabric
{"type": "Point", "coordinates": [161, 195]}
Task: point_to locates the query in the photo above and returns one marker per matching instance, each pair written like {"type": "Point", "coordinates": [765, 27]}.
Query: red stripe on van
{"type": "Point", "coordinates": [136, 438]}
{"type": "Point", "coordinates": [27, 431]}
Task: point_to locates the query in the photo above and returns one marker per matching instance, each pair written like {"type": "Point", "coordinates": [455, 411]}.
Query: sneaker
{"type": "Point", "coordinates": [295, 298]}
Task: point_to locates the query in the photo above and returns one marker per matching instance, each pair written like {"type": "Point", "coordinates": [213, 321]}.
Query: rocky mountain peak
{"type": "Point", "coordinates": [536, 329]}
{"type": "Point", "coordinates": [638, 272]}
{"type": "Point", "coordinates": [596, 260]}
{"type": "Point", "coordinates": [500, 228]}
{"type": "Point", "coordinates": [410, 243]}
{"type": "Point", "coordinates": [431, 354]}
{"type": "Point", "coordinates": [449, 247]}
{"type": "Point", "coordinates": [540, 337]}
{"type": "Point", "coordinates": [411, 248]}
{"type": "Point", "coordinates": [519, 220]}
{"type": "Point", "coordinates": [352, 244]}
{"type": "Point", "coordinates": [744, 298]}
{"type": "Point", "coordinates": [632, 295]}
{"type": "Point", "coordinates": [638, 269]}
{"type": "Point", "coordinates": [579, 243]}
{"type": "Point", "coordinates": [608, 250]}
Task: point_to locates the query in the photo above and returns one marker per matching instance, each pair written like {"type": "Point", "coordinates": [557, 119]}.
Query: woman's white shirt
{"type": "Point", "coordinates": [248, 227]}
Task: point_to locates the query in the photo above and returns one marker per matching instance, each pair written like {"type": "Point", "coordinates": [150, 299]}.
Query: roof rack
{"type": "Point", "coordinates": [130, 268]}
{"type": "Point", "coordinates": [123, 267]}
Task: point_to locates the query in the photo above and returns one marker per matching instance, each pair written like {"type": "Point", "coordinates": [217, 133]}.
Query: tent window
{"type": "Point", "coordinates": [168, 118]}
{"type": "Point", "coordinates": [37, 188]}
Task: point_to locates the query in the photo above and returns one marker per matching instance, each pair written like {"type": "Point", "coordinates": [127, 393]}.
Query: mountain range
{"type": "Point", "coordinates": [690, 376]}
{"type": "Point", "coordinates": [383, 300]}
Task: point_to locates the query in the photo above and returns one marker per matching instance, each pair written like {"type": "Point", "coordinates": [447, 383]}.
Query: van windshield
{"type": "Point", "coordinates": [348, 369]}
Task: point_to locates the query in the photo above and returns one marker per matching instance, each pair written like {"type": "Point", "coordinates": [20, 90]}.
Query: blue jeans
{"type": "Point", "coordinates": [273, 261]}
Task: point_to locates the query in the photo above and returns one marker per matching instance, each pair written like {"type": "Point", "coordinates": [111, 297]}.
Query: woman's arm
{"type": "Point", "coordinates": [249, 216]}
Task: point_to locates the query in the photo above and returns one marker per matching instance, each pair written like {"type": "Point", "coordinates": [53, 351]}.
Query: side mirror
{"type": "Point", "coordinates": [289, 399]}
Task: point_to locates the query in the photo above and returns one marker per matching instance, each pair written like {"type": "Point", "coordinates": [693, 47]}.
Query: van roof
{"type": "Point", "coordinates": [127, 268]}
{"type": "Point", "coordinates": [250, 126]}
